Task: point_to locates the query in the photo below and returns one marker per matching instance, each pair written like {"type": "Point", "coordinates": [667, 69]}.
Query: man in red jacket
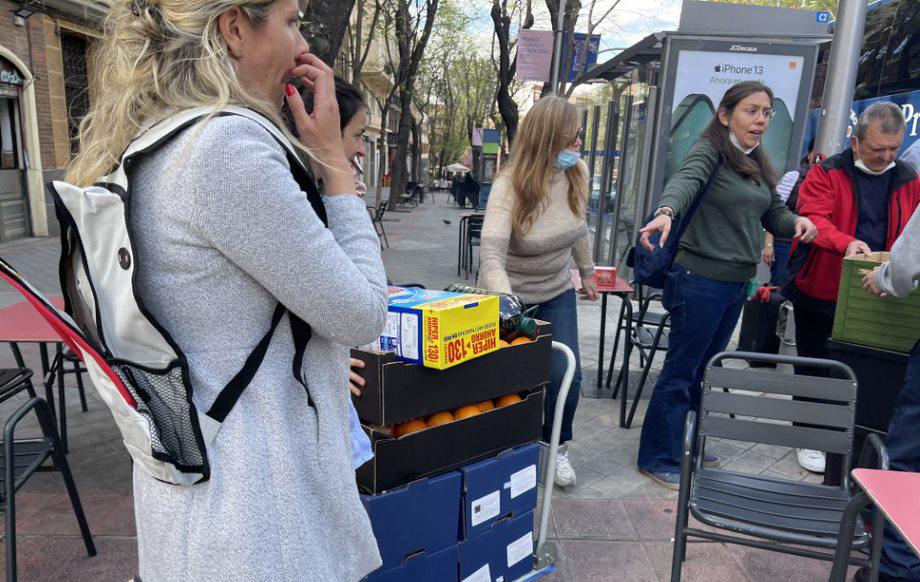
{"type": "Point", "coordinates": [860, 200]}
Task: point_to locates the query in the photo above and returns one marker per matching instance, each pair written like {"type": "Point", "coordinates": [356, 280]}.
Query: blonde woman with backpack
{"type": "Point", "coordinates": [222, 234]}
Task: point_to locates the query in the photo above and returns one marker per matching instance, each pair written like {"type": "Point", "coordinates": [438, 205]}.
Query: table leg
{"type": "Point", "coordinates": [47, 379]}
{"type": "Point", "coordinates": [600, 354]}
{"type": "Point", "coordinates": [62, 409]}
{"type": "Point", "coordinates": [616, 343]}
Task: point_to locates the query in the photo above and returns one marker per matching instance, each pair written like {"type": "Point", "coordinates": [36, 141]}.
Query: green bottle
{"type": "Point", "coordinates": [514, 320]}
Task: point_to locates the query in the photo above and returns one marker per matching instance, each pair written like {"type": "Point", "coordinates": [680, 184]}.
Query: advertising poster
{"type": "Point", "coordinates": [535, 55]}
{"type": "Point", "coordinates": [701, 79]}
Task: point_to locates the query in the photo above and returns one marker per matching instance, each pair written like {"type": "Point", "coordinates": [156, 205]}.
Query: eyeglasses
{"type": "Point", "coordinates": [579, 135]}
{"type": "Point", "coordinates": [767, 112]}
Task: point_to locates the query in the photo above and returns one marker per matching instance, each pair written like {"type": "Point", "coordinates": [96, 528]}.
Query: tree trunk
{"type": "Point", "coordinates": [400, 174]}
{"type": "Point", "coordinates": [381, 154]}
{"type": "Point", "coordinates": [416, 151]}
{"type": "Point", "coordinates": [324, 27]}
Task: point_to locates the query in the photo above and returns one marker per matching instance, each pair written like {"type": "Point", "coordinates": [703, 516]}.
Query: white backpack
{"type": "Point", "coordinates": [133, 361]}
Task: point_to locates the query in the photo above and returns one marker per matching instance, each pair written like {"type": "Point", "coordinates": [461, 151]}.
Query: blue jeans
{"type": "Point", "coordinates": [703, 316]}
{"type": "Point", "coordinates": [903, 444]}
{"type": "Point", "coordinates": [560, 312]}
{"type": "Point", "coordinates": [781, 247]}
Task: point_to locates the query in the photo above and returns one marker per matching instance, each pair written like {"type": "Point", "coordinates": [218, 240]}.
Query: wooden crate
{"type": "Point", "coordinates": [865, 319]}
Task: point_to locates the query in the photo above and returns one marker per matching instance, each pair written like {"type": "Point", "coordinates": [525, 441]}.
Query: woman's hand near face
{"type": "Point", "coordinates": [320, 129]}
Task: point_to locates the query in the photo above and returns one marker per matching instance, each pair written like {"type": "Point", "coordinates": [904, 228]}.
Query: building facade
{"type": "Point", "coordinates": [44, 92]}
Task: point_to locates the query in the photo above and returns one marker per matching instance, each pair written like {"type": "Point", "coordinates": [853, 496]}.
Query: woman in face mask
{"type": "Point", "coordinates": [535, 221]}
{"type": "Point", "coordinates": [718, 254]}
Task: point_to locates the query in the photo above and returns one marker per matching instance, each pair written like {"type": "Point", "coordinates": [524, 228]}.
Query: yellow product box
{"type": "Point", "coordinates": [439, 329]}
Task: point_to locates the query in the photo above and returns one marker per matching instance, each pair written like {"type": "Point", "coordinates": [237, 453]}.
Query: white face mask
{"type": "Point", "coordinates": [864, 168]}
{"type": "Point", "coordinates": [737, 144]}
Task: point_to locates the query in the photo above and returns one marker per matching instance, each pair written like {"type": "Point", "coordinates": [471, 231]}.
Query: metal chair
{"type": "Point", "coordinates": [779, 515]}
{"type": "Point", "coordinates": [472, 238]}
{"type": "Point", "coordinates": [21, 458]}
{"type": "Point", "coordinates": [650, 334]}
{"type": "Point", "coordinates": [376, 215]}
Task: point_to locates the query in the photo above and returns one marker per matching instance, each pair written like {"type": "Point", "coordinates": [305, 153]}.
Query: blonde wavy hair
{"type": "Point", "coordinates": [158, 57]}
{"type": "Point", "coordinates": [549, 127]}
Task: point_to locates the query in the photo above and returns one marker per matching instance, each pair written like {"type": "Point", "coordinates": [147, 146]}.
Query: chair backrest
{"type": "Point", "coordinates": [763, 416]}
{"type": "Point", "coordinates": [381, 208]}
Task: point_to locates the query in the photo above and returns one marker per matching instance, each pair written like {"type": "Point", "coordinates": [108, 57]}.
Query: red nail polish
{"type": "Point", "coordinates": [289, 89]}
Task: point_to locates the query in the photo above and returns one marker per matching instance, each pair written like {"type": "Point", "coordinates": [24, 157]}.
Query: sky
{"type": "Point", "coordinates": [630, 21]}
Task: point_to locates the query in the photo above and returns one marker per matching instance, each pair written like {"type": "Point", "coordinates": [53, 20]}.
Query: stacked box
{"type": "Point", "coordinates": [416, 529]}
{"type": "Point", "coordinates": [861, 318]}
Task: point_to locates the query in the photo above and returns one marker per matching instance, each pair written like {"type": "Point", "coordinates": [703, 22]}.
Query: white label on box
{"type": "Point", "coordinates": [481, 575]}
{"type": "Point", "coordinates": [520, 548]}
{"type": "Point", "coordinates": [485, 508]}
{"type": "Point", "coordinates": [408, 336]}
{"type": "Point", "coordinates": [523, 481]}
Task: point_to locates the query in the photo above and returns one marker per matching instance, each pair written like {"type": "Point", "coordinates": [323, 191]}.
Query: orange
{"type": "Point", "coordinates": [439, 418]}
{"type": "Point", "coordinates": [521, 340]}
{"type": "Point", "coordinates": [485, 405]}
{"type": "Point", "coordinates": [503, 344]}
{"type": "Point", "coordinates": [466, 412]}
{"type": "Point", "coordinates": [409, 427]}
{"type": "Point", "coordinates": [507, 399]}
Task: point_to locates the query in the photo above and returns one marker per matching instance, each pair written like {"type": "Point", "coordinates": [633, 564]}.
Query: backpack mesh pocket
{"type": "Point", "coordinates": [161, 398]}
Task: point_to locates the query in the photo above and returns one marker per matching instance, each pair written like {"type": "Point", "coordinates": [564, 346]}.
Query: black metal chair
{"type": "Point", "coordinates": [650, 334]}
{"type": "Point", "coordinates": [376, 215]}
{"type": "Point", "coordinates": [472, 239]}
{"type": "Point", "coordinates": [780, 515]}
{"type": "Point", "coordinates": [23, 457]}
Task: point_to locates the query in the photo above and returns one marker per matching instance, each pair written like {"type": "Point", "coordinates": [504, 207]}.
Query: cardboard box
{"type": "Point", "coordinates": [417, 519]}
{"type": "Point", "coordinates": [395, 391]}
{"type": "Point", "coordinates": [498, 488]}
{"type": "Point", "coordinates": [502, 554]}
{"type": "Point", "coordinates": [439, 329]}
{"type": "Point", "coordinates": [440, 566]}
{"type": "Point", "coordinates": [861, 318]}
{"type": "Point", "coordinates": [434, 450]}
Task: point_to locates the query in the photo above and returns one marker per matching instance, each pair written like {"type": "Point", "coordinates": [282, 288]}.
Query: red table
{"type": "Point", "coordinates": [20, 323]}
{"type": "Point", "coordinates": [621, 289]}
{"type": "Point", "coordinates": [897, 495]}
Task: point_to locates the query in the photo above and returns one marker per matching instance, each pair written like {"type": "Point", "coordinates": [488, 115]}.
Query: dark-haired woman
{"type": "Point", "coordinates": [717, 255]}
{"type": "Point", "coordinates": [353, 123]}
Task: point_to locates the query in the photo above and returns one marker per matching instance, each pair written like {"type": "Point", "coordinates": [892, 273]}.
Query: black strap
{"type": "Point", "coordinates": [227, 398]}
{"type": "Point", "coordinates": [685, 219]}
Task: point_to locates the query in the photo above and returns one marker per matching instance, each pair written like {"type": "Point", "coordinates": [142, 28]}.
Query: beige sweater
{"type": "Point", "coordinates": [535, 267]}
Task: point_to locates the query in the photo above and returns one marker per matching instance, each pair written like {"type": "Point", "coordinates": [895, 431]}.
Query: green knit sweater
{"type": "Point", "coordinates": [724, 238]}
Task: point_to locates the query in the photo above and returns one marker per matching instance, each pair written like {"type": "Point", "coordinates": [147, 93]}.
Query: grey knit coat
{"type": "Point", "coordinates": [222, 232]}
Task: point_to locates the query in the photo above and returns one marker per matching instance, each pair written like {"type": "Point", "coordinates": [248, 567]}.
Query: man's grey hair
{"type": "Point", "coordinates": [888, 116]}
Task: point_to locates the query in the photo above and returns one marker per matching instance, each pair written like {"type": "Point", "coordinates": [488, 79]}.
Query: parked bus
{"type": "Point", "coordinates": [889, 67]}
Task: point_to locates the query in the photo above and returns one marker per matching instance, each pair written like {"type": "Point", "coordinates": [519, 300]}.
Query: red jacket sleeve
{"type": "Point", "coordinates": [818, 202]}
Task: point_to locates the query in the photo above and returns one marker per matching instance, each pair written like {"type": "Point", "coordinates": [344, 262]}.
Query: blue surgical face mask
{"type": "Point", "coordinates": [566, 159]}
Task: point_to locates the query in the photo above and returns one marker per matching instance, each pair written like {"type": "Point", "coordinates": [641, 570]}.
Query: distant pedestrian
{"type": "Point", "coordinates": [534, 224]}
{"type": "Point", "coordinates": [718, 254]}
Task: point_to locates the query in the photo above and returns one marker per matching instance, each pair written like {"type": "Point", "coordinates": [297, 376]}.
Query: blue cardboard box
{"type": "Point", "coordinates": [437, 567]}
{"type": "Point", "coordinates": [502, 486]}
{"type": "Point", "coordinates": [418, 518]}
{"type": "Point", "coordinates": [502, 554]}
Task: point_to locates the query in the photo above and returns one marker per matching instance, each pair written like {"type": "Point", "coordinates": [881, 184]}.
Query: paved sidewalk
{"type": "Point", "coordinates": [614, 525]}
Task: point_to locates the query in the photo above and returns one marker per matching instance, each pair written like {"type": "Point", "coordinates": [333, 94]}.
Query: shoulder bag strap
{"type": "Point", "coordinates": [688, 215]}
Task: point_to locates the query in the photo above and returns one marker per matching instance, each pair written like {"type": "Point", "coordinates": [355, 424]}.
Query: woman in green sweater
{"type": "Point", "coordinates": [717, 255]}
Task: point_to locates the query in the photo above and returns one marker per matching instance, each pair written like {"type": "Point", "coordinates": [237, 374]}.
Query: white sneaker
{"type": "Point", "coordinates": [811, 460]}
{"type": "Point", "coordinates": [565, 474]}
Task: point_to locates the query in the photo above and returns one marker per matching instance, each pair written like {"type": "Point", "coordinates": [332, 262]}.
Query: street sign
{"type": "Point", "coordinates": [582, 43]}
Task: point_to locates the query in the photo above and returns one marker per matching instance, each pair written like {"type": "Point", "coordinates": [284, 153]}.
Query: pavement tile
{"type": "Point", "coordinates": [620, 484]}
{"type": "Point", "coordinates": [653, 519]}
{"type": "Point", "coordinates": [593, 518]}
{"type": "Point", "coordinates": [705, 562]}
{"type": "Point", "coordinates": [772, 451]}
{"type": "Point", "coordinates": [765, 566]}
{"type": "Point", "coordinates": [607, 561]}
